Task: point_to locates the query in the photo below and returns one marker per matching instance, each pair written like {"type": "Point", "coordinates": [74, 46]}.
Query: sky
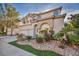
{"type": "Point", "coordinates": [25, 8]}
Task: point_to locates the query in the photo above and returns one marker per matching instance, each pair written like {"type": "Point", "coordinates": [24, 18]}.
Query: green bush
{"type": "Point", "coordinates": [51, 34]}
{"type": "Point", "coordinates": [74, 39]}
{"type": "Point", "coordinates": [58, 36]}
{"type": "Point", "coordinates": [62, 46]}
{"type": "Point", "coordinates": [61, 33]}
{"type": "Point", "coordinates": [76, 31]}
{"type": "Point", "coordinates": [47, 37]}
{"type": "Point", "coordinates": [39, 39]}
{"type": "Point", "coordinates": [28, 38]}
{"type": "Point", "coordinates": [2, 33]}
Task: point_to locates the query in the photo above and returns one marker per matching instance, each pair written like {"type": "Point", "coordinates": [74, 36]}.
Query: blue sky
{"type": "Point", "coordinates": [25, 8]}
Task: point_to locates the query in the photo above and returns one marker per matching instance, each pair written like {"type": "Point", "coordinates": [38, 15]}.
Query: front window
{"type": "Point", "coordinates": [37, 17]}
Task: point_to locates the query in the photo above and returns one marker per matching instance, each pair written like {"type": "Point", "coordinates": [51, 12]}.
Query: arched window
{"type": "Point", "coordinates": [45, 26]}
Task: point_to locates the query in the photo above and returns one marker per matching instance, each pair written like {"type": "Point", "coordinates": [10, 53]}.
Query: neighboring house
{"type": "Point", "coordinates": [35, 22]}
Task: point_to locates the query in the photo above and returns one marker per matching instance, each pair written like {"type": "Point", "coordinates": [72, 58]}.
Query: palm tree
{"type": "Point", "coordinates": [12, 15]}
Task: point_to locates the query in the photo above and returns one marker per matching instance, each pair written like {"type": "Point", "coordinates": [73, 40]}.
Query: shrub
{"type": "Point", "coordinates": [61, 33]}
{"type": "Point", "coordinates": [2, 33]}
{"type": "Point", "coordinates": [74, 39]}
{"type": "Point", "coordinates": [20, 37]}
{"type": "Point", "coordinates": [39, 39]}
{"type": "Point", "coordinates": [47, 37]}
{"type": "Point", "coordinates": [62, 46]}
{"type": "Point", "coordinates": [28, 38]}
{"type": "Point", "coordinates": [43, 31]}
{"type": "Point", "coordinates": [76, 31]}
{"type": "Point", "coordinates": [58, 36]}
{"type": "Point", "coordinates": [51, 34]}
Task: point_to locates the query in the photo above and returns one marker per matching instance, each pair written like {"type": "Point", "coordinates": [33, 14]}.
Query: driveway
{"type": "Point", "coordinates": [10, 50]}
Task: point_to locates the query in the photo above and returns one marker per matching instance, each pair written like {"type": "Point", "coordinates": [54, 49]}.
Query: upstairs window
{"type": "Point", "coordinates": [56, 13]}
{"type": "Point", "coordinates": [38, 17]}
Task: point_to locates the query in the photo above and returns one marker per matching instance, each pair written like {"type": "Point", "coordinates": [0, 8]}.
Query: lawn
{"type": "Point", "coordinates": [35, 51]}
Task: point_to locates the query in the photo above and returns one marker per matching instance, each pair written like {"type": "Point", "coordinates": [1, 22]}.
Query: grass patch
{"type": "Point", "coordinates": [35, 51]}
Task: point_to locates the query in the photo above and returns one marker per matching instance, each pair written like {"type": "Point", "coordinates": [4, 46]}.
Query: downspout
{"type": "Point", "coordinates": [53, 23]}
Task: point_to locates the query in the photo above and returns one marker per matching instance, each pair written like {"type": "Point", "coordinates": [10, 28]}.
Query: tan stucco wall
{"type": "Point", "coordinates": [48, 21]}
{"type": "Point", "coordinates": [58, 24]}
{"type": "Point", "coordinates": [55, 24]}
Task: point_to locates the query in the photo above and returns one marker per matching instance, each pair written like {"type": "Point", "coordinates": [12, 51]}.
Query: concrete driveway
{"type": "Point", "coordinates": [10, 50]}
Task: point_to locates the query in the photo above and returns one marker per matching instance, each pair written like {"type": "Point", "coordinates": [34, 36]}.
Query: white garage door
{"type": "Point", "coordinates": [27, 30]}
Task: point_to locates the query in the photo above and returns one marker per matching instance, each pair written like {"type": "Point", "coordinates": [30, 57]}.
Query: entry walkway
{"type": "Point", "coordinates": [10, 50]}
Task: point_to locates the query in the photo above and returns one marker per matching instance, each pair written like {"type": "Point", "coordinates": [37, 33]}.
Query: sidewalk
{"type": "Point", "coordinates": [9, 50]}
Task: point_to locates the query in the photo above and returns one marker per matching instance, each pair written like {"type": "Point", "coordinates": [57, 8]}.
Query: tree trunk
{"type": "Point", "coordinates": [11, 27]}
{"type": "Point", "coordinates": [11, 30]}
{"type": "Point", "coordinates": [6, 30]}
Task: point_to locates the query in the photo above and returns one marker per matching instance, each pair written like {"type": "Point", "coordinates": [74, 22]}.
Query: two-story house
{"type": "Point", "coordinates": [51, 20]}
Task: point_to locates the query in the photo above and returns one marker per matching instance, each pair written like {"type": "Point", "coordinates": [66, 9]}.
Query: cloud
{"type": "Point", "coordinates": [25, 8]}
